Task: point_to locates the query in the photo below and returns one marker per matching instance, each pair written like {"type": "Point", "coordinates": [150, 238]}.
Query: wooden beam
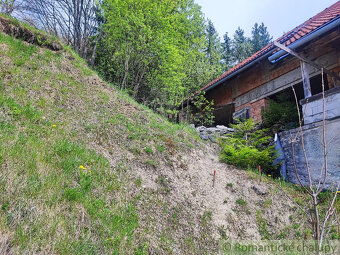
{"type": "Point", "coordinates": [291, 52]}
{"type": "Point", "coordinates": [305, 79]}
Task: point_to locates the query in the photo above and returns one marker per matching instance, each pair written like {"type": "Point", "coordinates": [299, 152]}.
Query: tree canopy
{"type": "Point", "coordinates": [160, 51]}
{"type": "Point", "coordinates": [156, 50]}
{"type": "Point", "coordinates": [240, 47]}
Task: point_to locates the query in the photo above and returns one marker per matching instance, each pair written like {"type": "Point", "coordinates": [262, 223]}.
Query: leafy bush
{"type": "Point", "coordinates": [248, 147]}
{"type": "Point", "coordinates": [205, 110]}
{"type": "Point", "coordinates": [281, 113]}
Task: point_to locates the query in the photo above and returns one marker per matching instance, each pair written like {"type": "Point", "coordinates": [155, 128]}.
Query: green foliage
{"type": "Point", "coordinates": [241, 202]}
{"type": "Point", "coordinates": [156, 51]}
{"type": "Point", "coordinates": [248, 147]}
{"type": "Point", "coordinates": [204, 110]}
{"type": "Point", "coordinates": [226, 52]}
{"type": "Point", "coordinates": [213, 51]}
{"type": "Point", "coordinates": [260, 37]}
{"type": "Point", "coordinates": [240, 47]}
{"type": "Point", "coordinates": [229, 185]}
{"type": "Point", "coordinates": [280, 114]}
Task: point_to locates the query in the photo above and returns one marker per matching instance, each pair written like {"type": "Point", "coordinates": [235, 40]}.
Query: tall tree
{"type": "Point", "coordinates": [242, 46]}
{"type": "Point", "coordinates": [154, 50]}
{"type": "Point", "coordinates": [72, 20]}
{"type": "Point", "coordinates": [226, 52]}
{"type": "Point", "coordinates": [260, 37]}
{"type": "Point", "coordinates": [213, 50]}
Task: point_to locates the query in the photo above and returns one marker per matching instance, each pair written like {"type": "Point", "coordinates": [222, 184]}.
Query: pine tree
{"type": "Point", "coordinates": [213, 50]}
{"type": "Point", "coordinates": [226, 52]}
{"type": "Point", "coordinates": [260, 37]}
{"type": "Point", "coordinates": [242, 46]}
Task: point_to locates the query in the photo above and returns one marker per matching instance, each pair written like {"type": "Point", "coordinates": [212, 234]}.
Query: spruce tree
{"type": "Point", "coordinates": [260, 37]}
{"type": "Point", "coordinates": [226, 52]}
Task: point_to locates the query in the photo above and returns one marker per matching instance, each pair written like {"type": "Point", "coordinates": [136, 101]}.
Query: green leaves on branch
{"type": "Point", "coordinates": [281, 113]}
{"type": "Point", "coordinates": [204, 110]}
{"type": "Point", "coordinates": [154, 50]}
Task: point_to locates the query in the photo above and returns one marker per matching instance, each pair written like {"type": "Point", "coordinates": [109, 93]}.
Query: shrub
{"type": "Point", "coordinates": [248, 147]}
{"type": "Point", "coordinates": [205, 110]}
{"type": "Point", "coordinates": [281, 113]}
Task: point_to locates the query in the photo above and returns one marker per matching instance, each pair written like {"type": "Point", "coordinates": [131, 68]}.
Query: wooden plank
{"type": "Point", "coordinates": [291, 52]}
{"type": "Point", "coordinates": [305, 79]}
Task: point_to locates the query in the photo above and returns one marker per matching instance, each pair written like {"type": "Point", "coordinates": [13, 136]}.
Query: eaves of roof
{"type": "Point", "coordinates": [315, 23]}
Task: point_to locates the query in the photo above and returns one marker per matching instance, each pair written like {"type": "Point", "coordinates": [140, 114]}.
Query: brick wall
{"type": "Point", "coordinates": [255, 109]}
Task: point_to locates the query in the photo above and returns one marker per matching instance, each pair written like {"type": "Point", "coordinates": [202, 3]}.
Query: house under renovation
{"type": "Point", "coordinates": [297, 59]}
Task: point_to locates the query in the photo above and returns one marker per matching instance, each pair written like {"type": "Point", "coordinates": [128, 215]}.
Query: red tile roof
{"type": "Point", "coordinates": [295, 34]}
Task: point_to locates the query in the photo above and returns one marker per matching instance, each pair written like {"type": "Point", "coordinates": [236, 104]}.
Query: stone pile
{"type": "Point", "coordinates": [210, 133]}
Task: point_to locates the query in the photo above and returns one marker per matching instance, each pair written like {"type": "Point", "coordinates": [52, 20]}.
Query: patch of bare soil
{"type": "Point", "coordinates": [238, 201]}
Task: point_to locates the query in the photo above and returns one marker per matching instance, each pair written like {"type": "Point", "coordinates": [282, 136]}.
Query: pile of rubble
{"type": "Point", "coordinates": [211, 133]}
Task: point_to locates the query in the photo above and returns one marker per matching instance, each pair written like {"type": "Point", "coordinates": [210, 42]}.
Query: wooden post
{"type": "Point", "coordinates": [305, 79]}
{"type": "Point", "coordinates": [260, 173]}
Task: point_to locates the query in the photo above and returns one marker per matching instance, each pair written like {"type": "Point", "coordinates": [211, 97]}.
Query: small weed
{"type": "Point", "coordinates": [229, 185]}
{"type": "Point", "coordinates": [296, 226]}
{"type": "Point", "coordinates": [164, 184]}
{"type": "Point", "coordinates": [299, 201]}
{"type": "Point", "coordinates": [267, 202]}
{"type": "Point", "coordinates": [5, 206]}
{"type": "Point", "coordinates": [298, 234]}
{"type": "Point", "coordinates": [160, 147]}
{"type": "Point", "coordinates": [308, 234]}
{"type": "Point", "coordinates": [148, 150]}
{"type": "Point", "coordinates": [222, 232]}
{"type": "Point", "coordinates": [206, 217]}
{"type": "Point", "coordinates": [241, 202]}
{"type": "Point", "coordinates": [139, 182]}
{"type": "Point", "coordinates": [282, 235]}
{"type": "Point", "coordinates": [135, 150]}
{"type": "Point", "coordinates": [262, 225]}
{"type": "Point", "coordinates": [151, 162]}
{"type": "Point", "coordinates": [72, 194]}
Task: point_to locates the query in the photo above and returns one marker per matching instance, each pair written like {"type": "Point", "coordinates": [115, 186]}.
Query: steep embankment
{"type": "Point", "coordinates": [86, 170]}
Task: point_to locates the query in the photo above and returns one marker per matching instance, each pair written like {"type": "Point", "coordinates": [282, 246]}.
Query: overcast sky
{"type": "Point", "coordinates": [278, 15]}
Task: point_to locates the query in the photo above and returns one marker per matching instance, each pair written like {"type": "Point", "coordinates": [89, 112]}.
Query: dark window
{"type": "Point", "coordinates": [316, 84]}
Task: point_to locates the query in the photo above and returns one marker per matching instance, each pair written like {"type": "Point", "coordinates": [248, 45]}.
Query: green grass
{"type": "Point", "coordinates": [19, 52]}
{"type": "Point", "coordinates": [59, 192]}
{"type": "Point", "coordinates": [263, 226]}
{"type": "Point", "coordinates": [48, 171]}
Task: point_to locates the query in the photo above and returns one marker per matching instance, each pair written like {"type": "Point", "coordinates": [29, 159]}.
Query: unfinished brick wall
{"type": "Point", "coordinates": [255, 109]}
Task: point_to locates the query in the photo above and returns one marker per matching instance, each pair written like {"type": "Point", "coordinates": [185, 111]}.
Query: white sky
{"type": "Point", "coordinates": [279, 16]}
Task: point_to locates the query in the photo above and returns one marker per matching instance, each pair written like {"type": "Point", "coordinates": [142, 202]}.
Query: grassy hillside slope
{"type": "Point", "coordinates": [67, 141]}
{"type": "Point", "coordinates": [86, 170]}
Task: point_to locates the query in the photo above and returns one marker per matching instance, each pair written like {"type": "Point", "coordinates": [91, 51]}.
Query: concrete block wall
{"type": "Point", "coordinates": [313, 145]}
{"type": "Point", "coordinates": [313, 108]}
